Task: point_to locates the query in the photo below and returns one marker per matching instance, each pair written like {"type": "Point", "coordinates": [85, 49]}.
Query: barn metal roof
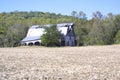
{"type": "Point", "coordinates": [31, 38]}
{"type": "Point", "coordinates": [64, 24]}
{"type": "Point", "coordinates": [36, 31]}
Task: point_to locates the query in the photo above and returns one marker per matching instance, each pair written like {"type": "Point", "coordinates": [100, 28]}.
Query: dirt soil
{"type": "Point", "coordinates": [64, 63]}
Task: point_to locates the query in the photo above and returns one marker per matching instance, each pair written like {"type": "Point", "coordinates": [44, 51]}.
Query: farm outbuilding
{"type": "Point", "coordinates": [35, 33]}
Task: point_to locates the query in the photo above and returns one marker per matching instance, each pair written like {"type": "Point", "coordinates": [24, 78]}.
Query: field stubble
{"type": "Point", "coordinates": [65, 63]}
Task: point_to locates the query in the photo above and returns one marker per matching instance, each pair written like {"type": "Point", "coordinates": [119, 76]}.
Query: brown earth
{"type": "Point", "coordinates": [64, 63]}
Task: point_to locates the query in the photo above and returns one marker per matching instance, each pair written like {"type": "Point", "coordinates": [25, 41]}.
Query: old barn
{"type": "Point", "coordinates": [36, 31]}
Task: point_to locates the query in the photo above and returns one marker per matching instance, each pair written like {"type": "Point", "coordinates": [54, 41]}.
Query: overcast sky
{"type": "Point", "coordinates": [64, 7]}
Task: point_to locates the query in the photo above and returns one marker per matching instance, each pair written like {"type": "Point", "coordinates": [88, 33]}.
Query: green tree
{"type": "Point", "coordinates": [74, 13]}
{"type": "Point", "coordinates": [15, 34]}
{"type": "Point", "coordinates": [80, 29]}
{"type": "Point", "coordinates": [117, 37]}
{"type": "Point", "coordinates": [82, 15]}
{"type": "Point", "coordinates": [117, 22]}
{"type": "Point", "coordinates": [51, 37]}
{"type": "Point", "coordinates": [117, 28]}
{"type": "Point", "coordinates": [96, 34]}
{"type": "Point", "coordinates": [109, 29]}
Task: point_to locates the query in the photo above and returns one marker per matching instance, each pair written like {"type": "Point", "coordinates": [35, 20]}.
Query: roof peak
{"type": "Point", "coordinates": [48, 25]}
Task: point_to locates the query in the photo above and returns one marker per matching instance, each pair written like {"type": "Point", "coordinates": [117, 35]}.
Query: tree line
{"type": "Point", "coordinates": [99, 30]}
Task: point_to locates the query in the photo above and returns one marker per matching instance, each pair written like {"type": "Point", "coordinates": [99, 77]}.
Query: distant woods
{"type": "Point", "coordinates": [100, 30]}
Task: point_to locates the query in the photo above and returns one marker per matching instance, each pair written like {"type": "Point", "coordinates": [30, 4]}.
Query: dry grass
{"type": "Point", "coordinates": [68, 63]}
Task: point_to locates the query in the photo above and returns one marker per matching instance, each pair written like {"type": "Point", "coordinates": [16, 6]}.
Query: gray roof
{"type": "Point", "coordinates": [35, 27]}
{"type": "Point", "coordinates": [31, 38]}
{"type": "Point", "coordinates": [48, 25]}
{"type": "Point", "coordinates": [64, 24]}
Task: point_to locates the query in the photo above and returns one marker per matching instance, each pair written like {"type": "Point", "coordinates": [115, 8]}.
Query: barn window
{"type": "Point", "coordinates": [37, 43]}
{"type": "Point", "coordinates": [30, 44]}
